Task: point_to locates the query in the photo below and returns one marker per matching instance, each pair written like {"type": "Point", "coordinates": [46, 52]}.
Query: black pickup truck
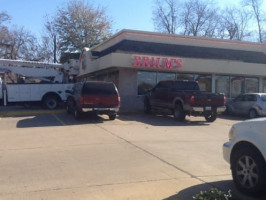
{"type": "Point", "coordinates": [184, 98]}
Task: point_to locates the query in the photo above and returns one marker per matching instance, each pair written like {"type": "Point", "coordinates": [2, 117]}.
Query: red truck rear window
{"type": "Point", "coordinates": [99, 88]}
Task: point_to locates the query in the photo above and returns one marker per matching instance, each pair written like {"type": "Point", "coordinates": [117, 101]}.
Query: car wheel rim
{"type": "Point", "coordinates": [51, 104]}
{"type": "Point", "coordinates": [247, 172]}
{"type": "Point", "coordinates": [252, 114]}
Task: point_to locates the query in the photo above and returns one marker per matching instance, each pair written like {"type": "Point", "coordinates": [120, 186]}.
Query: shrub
{"type": "Point", "coordinates": [213, 194]}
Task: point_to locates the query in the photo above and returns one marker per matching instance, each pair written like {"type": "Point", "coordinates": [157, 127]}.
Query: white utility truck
{"type": "Point", "coordinates": [27, 81]}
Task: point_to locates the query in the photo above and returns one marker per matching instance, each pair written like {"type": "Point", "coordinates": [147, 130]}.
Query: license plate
{"type": "Point", "coordinates": [208, 108]}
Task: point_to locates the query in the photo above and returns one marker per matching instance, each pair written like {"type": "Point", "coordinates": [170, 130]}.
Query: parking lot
{"type": "Point", "coordinates": [49, 155]}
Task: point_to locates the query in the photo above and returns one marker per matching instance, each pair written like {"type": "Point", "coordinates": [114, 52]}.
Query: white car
{"type": "Point", "coordinates": [246, 153]}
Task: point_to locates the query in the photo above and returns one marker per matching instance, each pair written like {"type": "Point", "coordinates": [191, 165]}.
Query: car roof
{"type": "Point", "coordinates": [259, 94]}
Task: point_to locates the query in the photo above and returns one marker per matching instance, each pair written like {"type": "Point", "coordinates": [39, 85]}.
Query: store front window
{"type": "Point", "coordinates": [252, 85]}
{"type": "Point", "coordinates": [237, 85]}
{"type": "Point", "coordinates": [222, 85]}
{"type": "Point", "coordinates": [204, 81]}
{"type": "Point", "coordinates": [146, 81]}
{"type": "Point", "coordinates": [165, 76]}
{"type": "Point", "coordinates": [189, 77]}
{"type": "Point", "coordinates": [264, 85]}
{"type": "Point", "coordinates": [231, 86]}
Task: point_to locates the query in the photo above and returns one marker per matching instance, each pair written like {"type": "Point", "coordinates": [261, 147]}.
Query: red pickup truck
{"type": "Point", "coordinates": [184, 98]}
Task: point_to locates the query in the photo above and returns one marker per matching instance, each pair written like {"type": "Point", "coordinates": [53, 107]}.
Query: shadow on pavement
{"type": "Point", "coordinates": [157, 119]}
{"type": "Point", "coordinates": [232, 117]}
{"type": "Point", "coordinates": [225, 186]}
{"type": "Point", "coordinates": [46, 120]}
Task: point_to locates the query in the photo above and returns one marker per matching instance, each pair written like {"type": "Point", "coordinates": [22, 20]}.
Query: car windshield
{"type": "Point", "coordinates": [263, 97]}
{"type": "Point", "coordinates": [99, 89]}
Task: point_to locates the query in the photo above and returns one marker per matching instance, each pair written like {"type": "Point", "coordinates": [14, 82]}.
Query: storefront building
{"type": "Point", "coordinates": [135, 61]}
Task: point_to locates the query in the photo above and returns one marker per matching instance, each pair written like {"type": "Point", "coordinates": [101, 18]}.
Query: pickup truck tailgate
{"type": "Point", "coordinates": [209, 99]}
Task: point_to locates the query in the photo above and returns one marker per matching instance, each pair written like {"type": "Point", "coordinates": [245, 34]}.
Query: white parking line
{"type": "Point", "coordinates": [58, 119]}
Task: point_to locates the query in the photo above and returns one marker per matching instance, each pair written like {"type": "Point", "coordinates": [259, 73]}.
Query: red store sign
{"type": "Point", "coordinates": [157, 62]}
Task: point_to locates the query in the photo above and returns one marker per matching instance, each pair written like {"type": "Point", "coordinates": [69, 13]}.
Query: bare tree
{"type": "Point", "coordinates": [165, 16]}
{"type": "Point", "coordinates": [234, 21]}
{"type": "Point", "coordinates": [200, 18]}
{"type": "Point", "coordinates": [24, 45]}
{"type": "Point", "coordinates": [81, 25]}
{"type": "Point", "coordinates": [256, 6]}
{"type": "Point", "coordinates": [49, 46]}
{"type": "Point", "coordinates": [193, 17]}
{"type": "Point", "coordinates": [16, 42]}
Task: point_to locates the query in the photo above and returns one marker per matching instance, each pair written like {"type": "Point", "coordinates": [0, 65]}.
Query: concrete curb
{"type": "Point", "coordinates": [10, 113]}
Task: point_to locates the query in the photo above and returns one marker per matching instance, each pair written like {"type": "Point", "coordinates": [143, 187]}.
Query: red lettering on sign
{"type": "Point", "coordinates": [157, 62]}
{"type": "Point", "coordinates": [168, 63]}
{"type": "Point", "coordinates": [178, 63]}
{"type": "Point", "coordinates": [137, 61]}
{"type": "Point", "coordinates": [146, 62]}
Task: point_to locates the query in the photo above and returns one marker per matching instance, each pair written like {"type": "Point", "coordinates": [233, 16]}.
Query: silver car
{"type": "Point", "coordinates": [250, 104]}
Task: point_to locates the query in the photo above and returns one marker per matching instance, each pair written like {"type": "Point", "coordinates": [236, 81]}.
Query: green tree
{"type": "Point", "coordinates": [80, 25]}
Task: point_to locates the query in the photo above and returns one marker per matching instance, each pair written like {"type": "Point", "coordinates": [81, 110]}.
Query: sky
{"type": "Point", "coordinates": [125, 14]}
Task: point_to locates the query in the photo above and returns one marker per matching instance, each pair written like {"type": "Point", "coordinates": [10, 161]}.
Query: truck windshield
{"type": "Point", "coordinates": [190, 85]}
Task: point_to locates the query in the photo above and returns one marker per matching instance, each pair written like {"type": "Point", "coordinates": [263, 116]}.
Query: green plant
{"type": "Point", "coordinates": [213, 194]}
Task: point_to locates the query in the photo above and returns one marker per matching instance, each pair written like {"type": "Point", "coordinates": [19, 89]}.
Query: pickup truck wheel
{"type": "Point", "coordinates": [211, 117]}
{"type": "Point", "coordinates": [179, 113]}
{"type": "Point", "coordinates": [147, 106]}
{"type": "Point", "coordinates": [112, 116]}
{"type": "Point", "coordinates": [50, 102]}
{"type": "Point", "coordinates": [68, 109]}
{"type": "Point", "coordinates": [248, 171]}
{"type": "Point", "coordinates": [228, 110]}
{"type": "Point", "coordinates": [77, 114]}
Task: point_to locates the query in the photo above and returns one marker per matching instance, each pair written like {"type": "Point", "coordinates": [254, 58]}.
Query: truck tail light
{"type": "Point", "coordinates": [119, 101]}
{"type": "Point", "coordinates": [192, 99]}
{"type": "Point", "coordinates": [81, 100]}
{"type": "Point", "coordinates": [224, 100]}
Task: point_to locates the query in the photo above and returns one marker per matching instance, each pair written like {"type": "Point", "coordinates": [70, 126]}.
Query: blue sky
{"type": "Point", "coordinates": [125, 14]}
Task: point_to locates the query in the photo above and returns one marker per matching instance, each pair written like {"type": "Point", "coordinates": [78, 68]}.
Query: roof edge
{"type": "Point", "coordinates": [127, 33]}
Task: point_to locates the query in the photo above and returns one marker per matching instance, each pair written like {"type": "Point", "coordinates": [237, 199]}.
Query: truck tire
{"type": "Point", "coordinates": [211, 117]}
{"type": "Point", "coordinates": [248, 171]}
{"type": "Point", "coordinates": [50, 102]}
{"type": "Point", "coordinates": [147, 106]}
{"type": "Point", "coordinates": [179, 114]}
{"type": "Point", "coordinates": [77, 114]}
{"type": "Point", "coordinates": [68, 110]}
{"type": "Point", "coordinates": [112, 116]}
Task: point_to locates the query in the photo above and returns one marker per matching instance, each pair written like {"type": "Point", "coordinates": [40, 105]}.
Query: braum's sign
{"type": "Point", "coordinates": [157, 62]}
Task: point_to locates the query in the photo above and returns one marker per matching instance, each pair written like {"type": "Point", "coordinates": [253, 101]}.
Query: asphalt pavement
{"type": "Point", "coordinates": [48, 155]}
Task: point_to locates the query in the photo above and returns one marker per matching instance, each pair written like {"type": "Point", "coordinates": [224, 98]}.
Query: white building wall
{"type": "Point", "coordinates": [128, 90]}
